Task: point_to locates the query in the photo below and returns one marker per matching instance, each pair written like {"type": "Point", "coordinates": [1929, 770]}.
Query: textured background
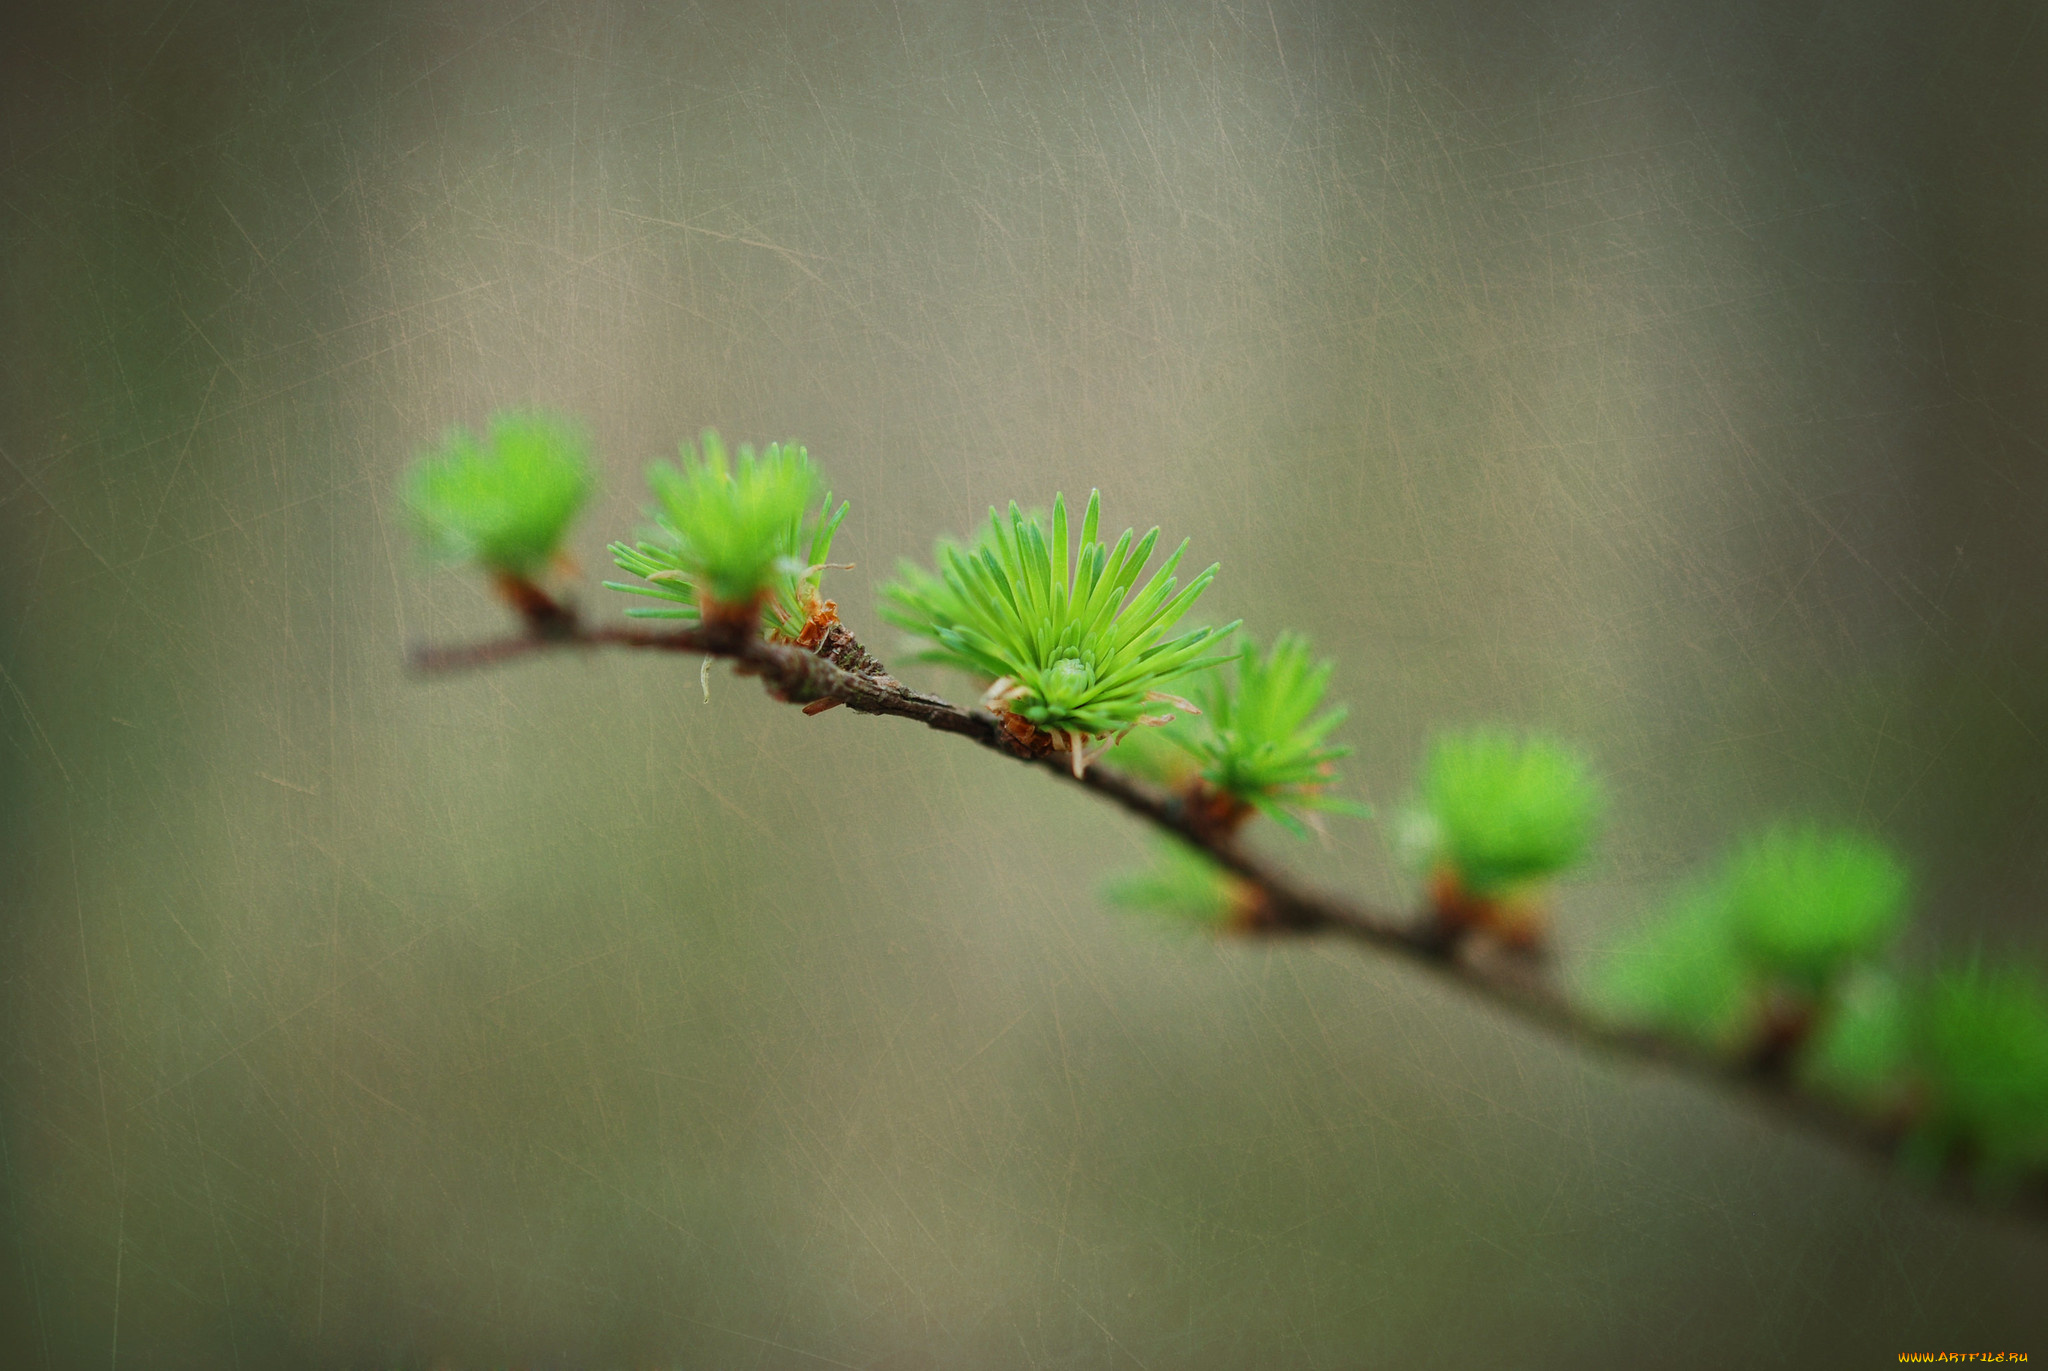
{"type": "Point", "coordinates": [1668, 376]}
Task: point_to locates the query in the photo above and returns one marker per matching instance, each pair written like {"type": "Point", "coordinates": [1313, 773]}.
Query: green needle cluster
{"type": "Point", "coordinates": [1805, 902]}
{"type": "Point", "coordinates": [734, 534]}
{"type": "Point", "coordinates": [1501, 812]}
{"type": "Point", "coordinates": [1080, 653]}
{"type": "Point", "coordinates": [505, 500]}
{"type": "Point", "coordinates": [1262, 740]}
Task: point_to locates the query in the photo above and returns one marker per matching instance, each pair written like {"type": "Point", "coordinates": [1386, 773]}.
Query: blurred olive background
{"type": "Point", "coordinates": [1669, 376]}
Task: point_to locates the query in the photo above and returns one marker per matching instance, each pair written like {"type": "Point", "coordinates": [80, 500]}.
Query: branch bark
{"type": "Point", "coordinates": [1508, 983]}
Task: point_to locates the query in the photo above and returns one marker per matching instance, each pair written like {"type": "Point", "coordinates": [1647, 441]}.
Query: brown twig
{"type": "Point", "coordinates": [1500, 976]}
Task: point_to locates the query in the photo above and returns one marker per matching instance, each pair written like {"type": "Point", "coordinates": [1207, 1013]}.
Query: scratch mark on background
{"type": "Point", "coordinates": [35, 725]}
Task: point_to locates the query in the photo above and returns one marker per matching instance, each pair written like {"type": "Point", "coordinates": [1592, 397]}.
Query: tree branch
{"type": "Point", "coordinates": [1508, 982]}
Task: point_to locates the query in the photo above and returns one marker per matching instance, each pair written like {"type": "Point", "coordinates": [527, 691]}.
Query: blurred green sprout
{"type": "Point", "coordinates": [1681, 973]}
{"type": "Point", "coordinates": [1262, 740]}
{"type": "Point", "coordinates": [1783, 937]}
{"type": "Point", "coordinates": [505, 500]}
{"type": "Point", "coordinates": [1805, 903]}
{"type": "Point", "coordinates": [1078, 654]}
{"type": "Point", "coordinates": [1501, 811]}
{"type": "Point", "coordinates": [1183, 886]}
{"type": "Point", "coordinates": [1983, 1048]}
{"type": "Point", "coordinates": [1861, 1048]}
{"type": "Point", "coordinates": [733, 535]}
